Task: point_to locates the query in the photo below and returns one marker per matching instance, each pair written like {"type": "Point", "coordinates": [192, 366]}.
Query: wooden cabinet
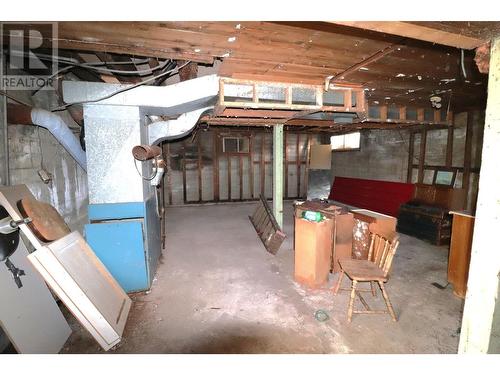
{"type": "Point", "coordinates": [319, 245]}
{"type": "Point", "coordinates": [313, 248]}
{"type": "Point", "coordinates": [460, 250]}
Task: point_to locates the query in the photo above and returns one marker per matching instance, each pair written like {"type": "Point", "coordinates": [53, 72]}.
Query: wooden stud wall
{"type": "Point", "coordinates": [258, 159]}
{"type": "Point", "coordinates": [466, 169]}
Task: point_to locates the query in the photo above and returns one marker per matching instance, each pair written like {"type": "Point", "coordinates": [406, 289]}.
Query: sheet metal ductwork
{"type": "Point", "coordinates": [20, 114]}
{"type": "Point", "coordinates": [160, 131]}
{"type": "Point", "coordinates": [124, 227]}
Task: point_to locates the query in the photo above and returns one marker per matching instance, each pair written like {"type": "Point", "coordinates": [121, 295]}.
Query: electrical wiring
{"type": "Point", "coordinates": [146, 178]}
{"type": "Point", "coordinates": [99, 66]}
{"type": "Point", "coordinates": [93, 67]}
{"type": "Point", "coordinates": [127, 88]}
{"type": "Point", "coordinates": [68, 60]}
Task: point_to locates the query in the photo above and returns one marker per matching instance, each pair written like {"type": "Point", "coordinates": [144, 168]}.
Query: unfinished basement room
{"type": "Point", "coordinates": [249, 187]}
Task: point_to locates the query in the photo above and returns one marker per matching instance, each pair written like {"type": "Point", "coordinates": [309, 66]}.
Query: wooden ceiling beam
{"type": "Point", "coordinates": [417, 31]}
{"type": "Point", "coordinates": [375, 57]}
{"type": "Point", "coordinates": [262, 113]}
{"type": "Point", "coordinates": [323, 124]}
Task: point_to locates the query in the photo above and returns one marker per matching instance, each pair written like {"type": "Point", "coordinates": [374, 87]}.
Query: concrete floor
{"type": "Point", "coordinates": [217, 290]}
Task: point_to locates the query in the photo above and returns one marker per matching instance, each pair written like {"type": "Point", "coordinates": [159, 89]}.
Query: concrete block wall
{"type": "Point", "coordinates": [67, 191]}
{"type": "Point", "coordinates": [383, 155]}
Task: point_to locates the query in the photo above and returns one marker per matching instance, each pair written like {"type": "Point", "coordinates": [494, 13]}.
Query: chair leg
{"type": "Point", "coordinates": [374, 292]}
{"type": "Point", "coordinates": [351, 302]}
{"type": "Point", "coordinates": [387, 301]}
{"type": "Point", "coordinates": [339, 281]}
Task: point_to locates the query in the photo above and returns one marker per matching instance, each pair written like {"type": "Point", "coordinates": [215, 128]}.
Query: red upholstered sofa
{"type": "Point", "coordinates": [380, 196]}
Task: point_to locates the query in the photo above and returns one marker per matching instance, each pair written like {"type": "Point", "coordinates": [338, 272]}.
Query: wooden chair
{"type": "Point", "coordinates": [375, 269]}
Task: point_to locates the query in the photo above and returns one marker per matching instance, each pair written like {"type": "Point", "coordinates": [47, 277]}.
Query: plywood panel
{"type": "Point", "coordinates": [321, 157]}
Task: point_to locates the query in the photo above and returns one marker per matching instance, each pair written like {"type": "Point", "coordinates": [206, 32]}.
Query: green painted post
{"type": "Point", "coordinates": [278, 173]}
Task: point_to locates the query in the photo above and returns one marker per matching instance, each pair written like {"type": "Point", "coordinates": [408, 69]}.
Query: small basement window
{"type": "Point", "coordinates": [345, 142]}
{"type": "Point", "coordinates": [235, 144]}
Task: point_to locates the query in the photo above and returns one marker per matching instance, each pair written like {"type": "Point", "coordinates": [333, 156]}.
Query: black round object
{"type": "Point", "coordinates": [8, 242]}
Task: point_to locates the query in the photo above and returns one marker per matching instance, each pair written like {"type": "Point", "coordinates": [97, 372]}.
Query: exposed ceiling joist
{"type": "Point", "coordinates": [433, 32]}
{"type": "Point", "coordinates": [306, 53]}
{"type": "Point", "coordinates": [375, 57]}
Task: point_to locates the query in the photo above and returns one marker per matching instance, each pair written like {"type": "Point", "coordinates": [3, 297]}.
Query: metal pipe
{"type": "Point", "coordinates": [145, 152]}
{"type": "Point", "coordinates": [17, 114]}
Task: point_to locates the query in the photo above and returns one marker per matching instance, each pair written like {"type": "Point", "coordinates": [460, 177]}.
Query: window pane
{"type": "Point", "coordinates": [345, 141]}
{"type": "Point", "coordinates": [230, 145]}
{"type": "Point", "coordinates": [243, 144]}
{"type": "Point", "coordinates": [337, 142]}
{"type": "Point", "coordinates": [352, 140]}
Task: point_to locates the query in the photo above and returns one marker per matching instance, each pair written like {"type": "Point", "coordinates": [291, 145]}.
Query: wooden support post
{"type": "Point", "coordinates": [200, 190]}
{"type": "Point", "coordinates": [286, 164]}
{"type": "Point", "coordinates": [449, 145]}
{"type": "Point", "coordinates": [437, 116]}
{"type": "Point", "coordinates": [262, 165]}
{"type": "Point", "coordinates": [402, 113]}
{"type": "Point", "coordinates": [215, 166]}
{"type": "Point", "coordinates": [411, 143]}
{"type": "Point", "coordinates": [297, 145]}
{"type": "Point", "coordinates": [482, 287]}
{"type": "Point", "coordinates": [250, 165]}
{"type": "Point", "coordinates": [306, 171]}
{"type": "Point", "coordinates": [449, 117]}
{"type": "Point", "coordinates": [278, 173]}
{"type": "Point", "coordinates": [420, 114]}
{"type": "Point", "coordinates": [348, 100]}
{"type": "Point", "coordinates": [421, 156]}
{"type": "Point", "coordinates": [228, 176]}
{"type": "Point", "coordinates": [467, 155]}
{"type": "Point", "coordinates": [240, 174]}
{"type": "Point", "coordinates": [383, 112]}
{"type": "Point", "coordinates": [184, 187]}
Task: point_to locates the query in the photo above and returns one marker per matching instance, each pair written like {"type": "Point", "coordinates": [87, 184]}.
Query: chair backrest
{"type": "Point", "coordinates": [382, 251]}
